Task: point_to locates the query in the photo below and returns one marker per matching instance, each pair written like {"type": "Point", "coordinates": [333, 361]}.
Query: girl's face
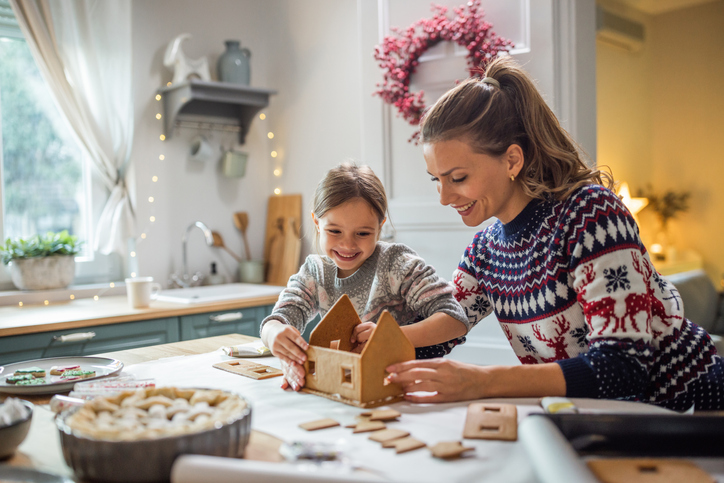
{"type": "Point", "coordinates": [476, 185]}
{"type": "Point", "coordinates": [348, 235]}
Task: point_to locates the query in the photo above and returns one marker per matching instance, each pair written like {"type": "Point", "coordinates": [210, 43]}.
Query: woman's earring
{"type": "Point", "coordinates": [512, 177]}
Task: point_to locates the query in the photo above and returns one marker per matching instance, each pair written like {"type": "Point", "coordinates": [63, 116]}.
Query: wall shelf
{"type": "Point", "coordinates": [196, 98]}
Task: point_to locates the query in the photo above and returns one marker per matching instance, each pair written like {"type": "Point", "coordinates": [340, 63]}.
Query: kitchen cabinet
{"type": "Point", "coordinates": [200, 102]}
{"type": "Point", "coordinates": [88, 340]}
{"type": "Point", "coordinates": [235, 321]}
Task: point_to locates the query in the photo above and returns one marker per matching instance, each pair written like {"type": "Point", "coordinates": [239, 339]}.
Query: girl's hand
{"type": "Point", "coordinates": [285, 342]}
{"type": "Point", "coordinates": [362, 333]}
{"type": "Point", "coordinates": [293, 376]}
{"type": "Point", "coordinates": [448, 380]}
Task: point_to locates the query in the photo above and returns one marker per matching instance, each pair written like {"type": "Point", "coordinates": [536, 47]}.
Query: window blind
{"type": "Point", "coordinates": [8, 24]}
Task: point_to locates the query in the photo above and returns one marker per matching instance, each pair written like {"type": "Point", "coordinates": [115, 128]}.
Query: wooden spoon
{"type": "Point", "coordinates": [219, 242]}
{"type": "Point", "coordinates": [241, 220]}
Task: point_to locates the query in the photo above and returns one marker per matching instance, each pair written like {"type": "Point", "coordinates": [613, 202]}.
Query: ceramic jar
{"type": "Point", "coordinates": [233, 65]}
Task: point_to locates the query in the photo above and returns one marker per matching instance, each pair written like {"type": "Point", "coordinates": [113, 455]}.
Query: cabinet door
{"type": "Point", "coordinates": [88, 340]}
{"type": "Point", "coordinates": [237, 321]}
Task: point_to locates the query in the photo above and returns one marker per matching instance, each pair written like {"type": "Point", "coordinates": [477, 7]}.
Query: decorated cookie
{"type": "Point", "coordinates": [31, 382]}
{"type": "Point", "coordinates": [35, 371]}
{"type": "Point", "coordinates": [77, 373]}
{"type": "Point", "coordinates": [16, 379]}
{"type": "Point", "coordinates": [59, 370]}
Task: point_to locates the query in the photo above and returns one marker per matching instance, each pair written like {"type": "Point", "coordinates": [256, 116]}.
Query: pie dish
{"type": "Point", "coordinates": [135, 436]}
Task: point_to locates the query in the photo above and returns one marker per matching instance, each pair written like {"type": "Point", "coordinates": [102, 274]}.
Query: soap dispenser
{"type": "Point", "coordinates": [215, 278]}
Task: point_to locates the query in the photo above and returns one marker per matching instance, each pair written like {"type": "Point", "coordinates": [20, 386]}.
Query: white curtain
{"type": "Point", "coordinates": [83, 51]}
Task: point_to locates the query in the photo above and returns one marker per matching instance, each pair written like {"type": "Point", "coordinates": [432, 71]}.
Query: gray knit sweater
{"type": "Point", "coordinates": [394, 278]}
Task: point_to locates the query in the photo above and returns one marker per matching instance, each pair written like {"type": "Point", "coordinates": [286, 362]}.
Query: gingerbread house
{"type": "Point", "coordinates": [334, 372]}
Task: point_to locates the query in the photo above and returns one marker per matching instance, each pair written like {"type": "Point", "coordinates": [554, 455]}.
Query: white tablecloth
{"type": "Point", "coordinates": [279, 413]}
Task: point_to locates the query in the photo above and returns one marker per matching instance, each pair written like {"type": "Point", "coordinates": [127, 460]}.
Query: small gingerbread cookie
{"type": "Point", "coordinates": [34, 371]}
{"type": "Point", "coordinates": [31, 382]}
{"type": "Point", "coordinates": [449, 449]}
{"type": "Point", "coordinates": [77, 373]}
{"type": "Point", "coordinates": [59, 370]}
{"type": "Point", "coordinates": [16, 379]}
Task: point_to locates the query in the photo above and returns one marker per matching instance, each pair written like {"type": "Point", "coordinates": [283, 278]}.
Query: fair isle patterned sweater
{"type": "Point", "coordinates": [393, 278]}
{"type": "Point", "coordinates": [570, 282]}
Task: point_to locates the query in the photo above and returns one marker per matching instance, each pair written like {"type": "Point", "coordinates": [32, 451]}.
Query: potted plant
{"type": "Point", "coordinates": [666, 206]}
{"type": "Point", "coordinates": [41, 262]}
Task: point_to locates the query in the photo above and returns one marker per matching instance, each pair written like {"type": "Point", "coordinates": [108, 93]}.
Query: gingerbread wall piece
{"type": "Point", "coordinates": [650, 470]}
{"type": "Point", "coordinates": [491, 421]}
{"type": "Point", "coordinates": [337, 325]}
{"type": "Point", "coordinates": [356, 379]}
{"type": "Point", "coordinates": [249, 369]}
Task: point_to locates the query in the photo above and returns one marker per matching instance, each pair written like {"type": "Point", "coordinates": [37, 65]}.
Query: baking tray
{"type": "Point", "coordinates": [642, 434]}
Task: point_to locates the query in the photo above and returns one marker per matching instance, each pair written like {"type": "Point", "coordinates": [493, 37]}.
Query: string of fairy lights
{"type": "Point", "coordinates": [277, 171]}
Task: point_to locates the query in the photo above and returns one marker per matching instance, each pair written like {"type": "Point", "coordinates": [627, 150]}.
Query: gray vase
{"type": "Point", "coordinates": [233, 64]}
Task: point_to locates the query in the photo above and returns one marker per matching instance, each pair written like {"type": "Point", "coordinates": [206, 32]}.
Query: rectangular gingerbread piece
{"type": "Point", "coordinates": [491, 421]}
{"type": "Point", "coordinates": [249, 369]}
{"type": "Point", "coordinates": [650, 470]}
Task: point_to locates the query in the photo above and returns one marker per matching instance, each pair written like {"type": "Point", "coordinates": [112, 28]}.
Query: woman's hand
{"type": "Point", "coordinates": [293, 376]}
{"type": "Point", "coordinates": [361, 334]}
{"type": "Point", "coordinates": [448, 380]}
{"type": "Point", "coordinates": [285, 342]}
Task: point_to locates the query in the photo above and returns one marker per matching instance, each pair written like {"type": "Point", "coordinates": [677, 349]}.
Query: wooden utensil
{"type": "Point", "coordinates": [241, 220]}
{"type": "Point", "coordinates": [219, 242]}
{"type": "Point", "coordinates": [282, 245]}
{"type": "Point", "coordinates": [276, 254]}
{"type": "Point", "coordinates": [280, 206]}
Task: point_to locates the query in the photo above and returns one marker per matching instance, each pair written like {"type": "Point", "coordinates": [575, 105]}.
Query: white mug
{"type": "Point", "coordinates": [141, 290]}
{"type": "Point", "coordinates": [201, 150]}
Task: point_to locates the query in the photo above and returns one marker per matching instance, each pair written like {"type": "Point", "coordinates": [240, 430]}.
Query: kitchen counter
{"type": "Point", "coordinates": [81, 313]}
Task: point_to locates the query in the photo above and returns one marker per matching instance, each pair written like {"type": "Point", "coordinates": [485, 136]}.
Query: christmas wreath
{"type": "Point", "coordinates": [399, 54]}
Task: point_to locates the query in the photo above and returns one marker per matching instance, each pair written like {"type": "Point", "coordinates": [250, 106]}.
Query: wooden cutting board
{"type": "Point", "coordinates": [282, 243]}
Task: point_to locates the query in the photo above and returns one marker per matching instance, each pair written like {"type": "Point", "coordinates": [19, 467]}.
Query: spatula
{"type": "Point", "coordinates": [241, 220]}
{"type": "Point", "coordinates": [219, 242]}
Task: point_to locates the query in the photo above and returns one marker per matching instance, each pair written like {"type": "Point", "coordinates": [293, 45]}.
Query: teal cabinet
{"type": "Point", "coordinates": [236, 321]}
{"type": "Point", "coordinates": [89, 340]}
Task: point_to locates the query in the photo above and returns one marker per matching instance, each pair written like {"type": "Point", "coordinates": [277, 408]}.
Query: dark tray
{"type": "Point", "coordinates": [642, 434]}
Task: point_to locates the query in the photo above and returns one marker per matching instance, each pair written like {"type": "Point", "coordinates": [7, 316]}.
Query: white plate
{"type": "Point", "coordinates": [102, 365]}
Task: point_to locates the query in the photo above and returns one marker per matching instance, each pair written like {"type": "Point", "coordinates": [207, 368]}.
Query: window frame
{"type": "Point", "coordinates": [91, 266]}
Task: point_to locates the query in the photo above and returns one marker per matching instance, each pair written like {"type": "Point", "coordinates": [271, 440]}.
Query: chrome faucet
{"type": "Point", "coordinates": [186, 280]}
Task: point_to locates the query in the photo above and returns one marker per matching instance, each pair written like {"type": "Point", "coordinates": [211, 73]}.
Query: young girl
{"type": "Point", "coordinates": [349, 210]}
{"type": "Point", "coordinates": [563, 267]}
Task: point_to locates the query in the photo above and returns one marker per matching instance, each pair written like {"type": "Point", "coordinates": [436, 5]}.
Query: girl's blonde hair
{"type": "Point", "coordinates": [346, 182]}
{"type": "Point", "coordinates": [506, 108]}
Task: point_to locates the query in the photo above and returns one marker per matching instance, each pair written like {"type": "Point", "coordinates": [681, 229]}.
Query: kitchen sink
{"type": "Point", "coordinates": [217, 293]}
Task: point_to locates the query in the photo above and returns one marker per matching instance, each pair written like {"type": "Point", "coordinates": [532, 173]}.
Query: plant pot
{"type": "Point", "coordinates": [43, 273]}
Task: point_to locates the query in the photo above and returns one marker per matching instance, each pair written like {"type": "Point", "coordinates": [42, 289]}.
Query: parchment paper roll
{"type": "Point", "coordinates": [201, 469]}
{"type": "Point", "coordinates": [552, 457]}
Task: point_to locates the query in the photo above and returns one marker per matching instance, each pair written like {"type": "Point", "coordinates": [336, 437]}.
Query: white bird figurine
{"type": "Point", "coordinates": [183, 67]}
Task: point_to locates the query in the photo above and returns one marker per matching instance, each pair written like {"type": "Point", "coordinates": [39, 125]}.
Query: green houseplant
{"type": "Point", "coordinates": [41, 262]}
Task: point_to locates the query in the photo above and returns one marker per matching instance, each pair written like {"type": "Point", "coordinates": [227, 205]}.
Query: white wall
{"type": "Point", "coordinates": [304, 50]}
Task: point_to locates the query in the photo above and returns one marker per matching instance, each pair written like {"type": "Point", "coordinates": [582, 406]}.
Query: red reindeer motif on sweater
{"type": "Point", "coordinates": [558, 342]}
{"type": "Point", "coordinates": [603, 307]}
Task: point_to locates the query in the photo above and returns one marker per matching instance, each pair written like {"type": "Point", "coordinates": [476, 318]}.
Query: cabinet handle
{"type": "Point", "coordinates": [78, 336]}
{"type": "Point", "coordinates": [226, 317]}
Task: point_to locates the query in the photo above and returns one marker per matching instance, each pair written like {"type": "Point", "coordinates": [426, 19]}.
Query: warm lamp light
{"type": "Point", "coordinates": [634, 205]}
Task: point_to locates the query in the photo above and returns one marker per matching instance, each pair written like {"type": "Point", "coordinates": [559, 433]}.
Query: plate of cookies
{"type": "Point", "coordinates": [55, 374]}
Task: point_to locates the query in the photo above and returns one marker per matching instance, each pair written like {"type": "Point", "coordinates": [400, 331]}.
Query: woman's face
{"type": "Point", "coordinates": [476, 185]}
{"type": "Point", "coordinates": [348, 235]}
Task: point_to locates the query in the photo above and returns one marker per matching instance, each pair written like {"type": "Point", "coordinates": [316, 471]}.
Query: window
{"type": "Point", "coordinates": [45, 182]}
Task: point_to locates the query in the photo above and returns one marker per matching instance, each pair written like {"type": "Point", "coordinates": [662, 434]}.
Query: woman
{"type": "Point", "coordinates": [563, 267]}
